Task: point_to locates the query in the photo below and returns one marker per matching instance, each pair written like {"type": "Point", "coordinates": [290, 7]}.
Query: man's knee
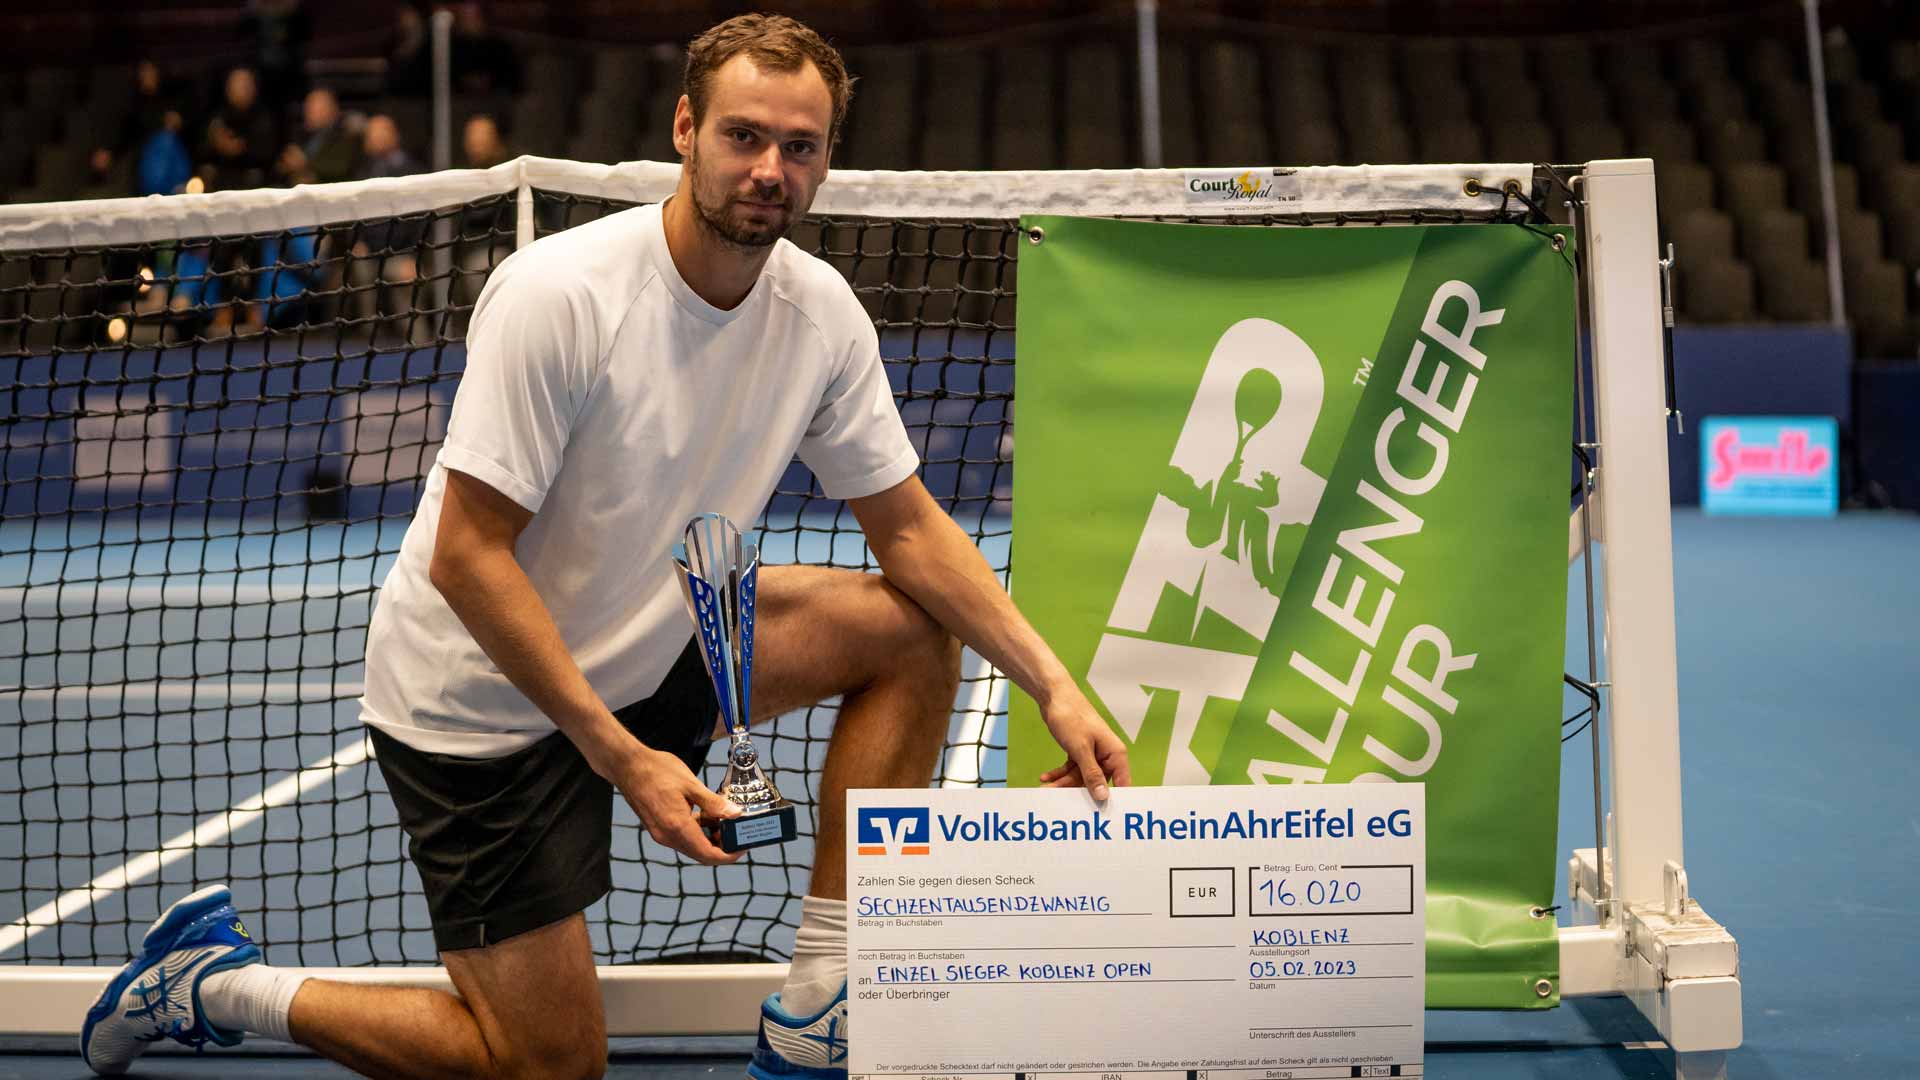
{"type": "Point", "coordinates": [553, 1061]}
{"type": "Point", "coordinates": [567, 1050]}
{"type": "Point", "coordinates": [537, 1003]}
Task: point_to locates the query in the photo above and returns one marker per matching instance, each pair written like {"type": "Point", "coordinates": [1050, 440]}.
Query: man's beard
{"type": "Point", "coordinates": [716, 212]}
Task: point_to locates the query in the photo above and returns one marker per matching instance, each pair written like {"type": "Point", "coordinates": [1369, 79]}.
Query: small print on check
{"type": "Point", "coordinates": [1204, 932]}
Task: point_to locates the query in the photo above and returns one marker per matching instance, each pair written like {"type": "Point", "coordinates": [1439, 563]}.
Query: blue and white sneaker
{"type": "Point", "coordinates": [157, 996]}
{"type": "Point", "coordinates": [808, 1047]}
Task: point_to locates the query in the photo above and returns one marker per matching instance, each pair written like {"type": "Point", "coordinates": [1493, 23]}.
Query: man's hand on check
{"type": "Point", "coordinates": [1095, 754]}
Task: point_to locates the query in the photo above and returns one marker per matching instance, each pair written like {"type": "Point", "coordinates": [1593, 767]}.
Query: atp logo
{"type": "Point", "coordinates": [894, 830]}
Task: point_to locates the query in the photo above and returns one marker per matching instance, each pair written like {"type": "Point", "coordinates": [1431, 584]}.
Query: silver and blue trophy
{"type": "Point", "coordinates": [718, 569]}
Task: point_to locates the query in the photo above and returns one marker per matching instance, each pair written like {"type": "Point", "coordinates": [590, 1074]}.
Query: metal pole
{"type": "Point", "coordinates": [439, 292]}
{"type": "Point", "coordinates": [1823, 141]}
{"type": "Point", "coordinates": [1582, 368]}
{"type": "Point", "coordinates": [1146, 14]}
{"type": "Point", "coordinates": [442, 90]}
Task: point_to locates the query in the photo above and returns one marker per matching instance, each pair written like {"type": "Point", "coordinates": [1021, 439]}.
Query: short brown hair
{"type": "Point", "coordinates": [774, 43]}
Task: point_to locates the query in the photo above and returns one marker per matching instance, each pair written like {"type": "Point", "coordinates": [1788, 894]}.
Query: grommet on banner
{"type": "Point", "coordinates": [1471, 189]}
{"type": "Point", "coordinates": [1559, 242]}
{"type": "Point", "coordinates": [1036, 234]}
{"type": "Point", "coordinates": [1543, 987]}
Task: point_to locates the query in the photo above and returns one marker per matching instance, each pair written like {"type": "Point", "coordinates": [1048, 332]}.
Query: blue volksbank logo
{"type": "Point", "coordinates": [894, 830]}
{"type": "Point", "coordinates": [908, 830]}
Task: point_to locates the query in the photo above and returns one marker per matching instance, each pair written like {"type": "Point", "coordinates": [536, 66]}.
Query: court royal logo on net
{"type": "Point", "coordinates": [894, 830]}
{"type": "Point", "coordinates": [1243, 185]}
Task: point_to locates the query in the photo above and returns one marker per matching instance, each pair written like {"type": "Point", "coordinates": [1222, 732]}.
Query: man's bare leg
{"type": "Point", "coordinates": [825, 632]}
{"type": "Point", "coordinates": [529, 1006]}
{"type": "Point", "coordinates": [828, 633]}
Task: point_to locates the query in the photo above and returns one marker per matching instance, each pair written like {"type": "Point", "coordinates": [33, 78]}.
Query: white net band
{"type": "Point", "coordinates": [1356, 189]}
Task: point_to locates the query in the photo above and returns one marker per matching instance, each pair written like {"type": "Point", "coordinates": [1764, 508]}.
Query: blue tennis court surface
{"type": "Point", "coordinates": [233, 657]}
{"type": "Point", "coordinates": [1802, 824]}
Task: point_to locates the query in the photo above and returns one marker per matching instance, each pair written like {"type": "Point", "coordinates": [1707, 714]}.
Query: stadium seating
{"type": "Point", "coordinates": [1715, 290]}
{"type": "Point", "coordinates": [954, 136]}
{"type": "Point", "coordinates": [1023, 113]}
{"type": "Point", "coordinates": [1727, 119]}
{"type": "Point", "coordinates": [1097, 108]}
{"type": "Point", "coordinates": [1231, 96]}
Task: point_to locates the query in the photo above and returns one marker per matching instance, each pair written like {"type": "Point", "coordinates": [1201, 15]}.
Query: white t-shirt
{"type": "Point", "coordinates": [607, 397]}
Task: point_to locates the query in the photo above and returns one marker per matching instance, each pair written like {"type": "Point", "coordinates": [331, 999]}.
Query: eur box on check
{"type": "Point", "coordinates": [1200, 892]}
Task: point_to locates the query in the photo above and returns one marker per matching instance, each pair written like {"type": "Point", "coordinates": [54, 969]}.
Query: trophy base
{"type": "Point", "coordinates": [774, 825]}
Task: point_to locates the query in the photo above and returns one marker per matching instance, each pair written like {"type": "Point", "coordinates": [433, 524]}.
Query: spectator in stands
{"type": "Point", "coordinates": [409, 53]}
{"type": "Point", "coordinates": [486, 229]}
{"type": "Point", "coordinates": [238, 152]}
{"type": "Point", "coordinates": [327, 151]}
{"type": "Point", "coordinates": [164, 166]}
{"type": "Point", "coordinates": [481, 142]}
{"type": "Point", "coordinates": [383, 259]}
{"type": "Point", "coordinates": [154, 96]}
{"type": "Point", "coordinates": [240, 137]}
{"type": "Point", "coordinates": [328, 148]}
{"type": "Point", "coordinates": [288, 263]}
{"type": "Point", "coordinates": [483, 62]}
{"type": "Point", "coordinates": [152, 99]}
{"type": "Point", "coordinates": [103, 180]}
{"type": "Point", "coordinates": [382, 153]}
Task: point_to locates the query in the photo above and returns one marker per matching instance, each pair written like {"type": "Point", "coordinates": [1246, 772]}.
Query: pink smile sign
{"type": "Point", "coordinates": [1770, 465]}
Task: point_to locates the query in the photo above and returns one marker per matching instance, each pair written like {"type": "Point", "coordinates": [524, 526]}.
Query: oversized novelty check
{"type": "Point", "coordinates": [1211, 932]}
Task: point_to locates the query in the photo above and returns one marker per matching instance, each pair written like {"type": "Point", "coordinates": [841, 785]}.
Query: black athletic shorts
{"type": "Point", "coordinates": [509, 844]}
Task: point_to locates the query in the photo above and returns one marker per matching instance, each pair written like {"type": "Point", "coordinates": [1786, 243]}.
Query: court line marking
{"type": "Point", "coordinates": [209, 690]}
{"type": "Point", "coordinates": [210, 831]}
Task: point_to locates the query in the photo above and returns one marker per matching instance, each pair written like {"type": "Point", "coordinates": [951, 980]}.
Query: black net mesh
{"type": "Point", "coordinates": [212, 449]}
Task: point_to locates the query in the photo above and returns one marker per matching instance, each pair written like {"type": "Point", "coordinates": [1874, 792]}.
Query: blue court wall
{"type": "Point", "coordinates": [1753, 371]}
{"type": "Point", "coordinates": [1887, 424]}
{"type": "Point", "coordinates": [300, 427]}
{"type": "Point", "coordinates": [243, 427]}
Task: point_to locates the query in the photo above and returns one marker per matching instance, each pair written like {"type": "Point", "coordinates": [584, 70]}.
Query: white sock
{"type": "Point", "coordinates": [819, 957]}
{"type": "Point", "coordinates": [253, 998]}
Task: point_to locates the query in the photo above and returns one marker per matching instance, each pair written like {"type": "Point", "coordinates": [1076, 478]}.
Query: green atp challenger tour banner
{"type": "Point", "coordinates": [1291, 505]}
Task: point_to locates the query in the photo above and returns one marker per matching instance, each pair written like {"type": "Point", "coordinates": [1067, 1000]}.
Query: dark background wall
{"type": "Point", "coordinates": [41, 31]}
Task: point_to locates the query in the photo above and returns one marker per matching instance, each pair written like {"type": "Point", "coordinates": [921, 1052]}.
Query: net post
{"type": "Point", "coordinates": [522, 215]}
{"type": "Point", "coordinates": [1630, 407]}
{"type": "Point", "coordinates": [1679, 968]}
